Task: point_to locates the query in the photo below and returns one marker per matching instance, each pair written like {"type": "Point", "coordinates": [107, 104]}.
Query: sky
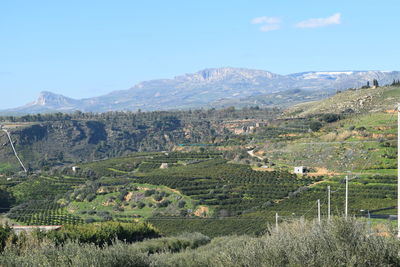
{"type": "Point", "coordinates": [89, 48]}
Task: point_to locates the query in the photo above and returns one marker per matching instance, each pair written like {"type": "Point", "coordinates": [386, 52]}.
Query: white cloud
{"type": "Point", "coordinates": [267, 23]}
{"type": "Point", "coordinates": [270, 27]}
{"type": "Point", "coordinates": [320, 22]}
{"type": "Point", "coordinates": [267, 20]}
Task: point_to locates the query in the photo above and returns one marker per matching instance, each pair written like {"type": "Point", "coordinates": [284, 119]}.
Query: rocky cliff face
{"type": "Point", "coordinates": [51, 143]}
{"type": "Point", "coordinates": [43, 140]}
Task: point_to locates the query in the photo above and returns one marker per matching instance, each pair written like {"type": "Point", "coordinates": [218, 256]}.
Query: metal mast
{"type": "Point", "coordinates": [398, 171]}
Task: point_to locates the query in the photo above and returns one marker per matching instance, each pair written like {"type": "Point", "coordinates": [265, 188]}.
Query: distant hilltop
{"type": "Point", "coordinates": [215, 87]}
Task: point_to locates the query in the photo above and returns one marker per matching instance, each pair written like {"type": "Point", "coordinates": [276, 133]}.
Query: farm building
{"type": "Point", "coordinates": [164, 166]}
{"type": "Point", "coordinates": [300, 170]}
{"type": "Point", "coordinates": [75, 168]}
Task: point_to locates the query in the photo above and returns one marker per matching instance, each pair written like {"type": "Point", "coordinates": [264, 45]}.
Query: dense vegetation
{"type": "Point", "coordinates": [104, 233]}
{"type": "Point", "coordinates": [336, 243]}
{"type": "Point", "coordinates": [231, 188]}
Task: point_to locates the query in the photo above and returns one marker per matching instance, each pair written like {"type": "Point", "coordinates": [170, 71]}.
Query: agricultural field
{"type": "Point", "coordinates": [376, 194]}
{"type": "Point", "coordinates": [37, 200]}
{"type": "Point", "coordinates": [143, 162]}
{"type": "Point", "coordinates": [195, 187]}
{"type": "Point", "coordinates": [235, 185]}
{"type": "Point", "coordinates": [131, 202]}
{"type": "Point", "coordinates": [354, 143]}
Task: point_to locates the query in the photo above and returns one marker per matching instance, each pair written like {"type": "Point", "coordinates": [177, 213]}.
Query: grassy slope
{"type": "Point", "coordinates": [362, 144]}
{"type": "Point", "coordinates": [362, 100]}
{"type": "Point", "coordinates": [108, 201]}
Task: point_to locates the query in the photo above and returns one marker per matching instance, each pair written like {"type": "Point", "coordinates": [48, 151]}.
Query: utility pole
{"type": "Point", "coordinates": [398, 171]}
{"type": "Point", "coordinates": [276, 222]}
{"type": "Point", "coordinates": [319, 211]}
{"type": "Point", "coordinates": [329, 202]}
{"type": "Point", "coordinates": [346, 197]}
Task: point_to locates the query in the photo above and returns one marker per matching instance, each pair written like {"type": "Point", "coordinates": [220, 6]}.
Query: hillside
{"type": "Point", "coordinates": [232, 168]}
{"type": "Point", "coordinates": [49, 140]}
{"type": "Point", "coordinates": [218, 87]}
{"type": "Point", "coordinates": [381, 99]}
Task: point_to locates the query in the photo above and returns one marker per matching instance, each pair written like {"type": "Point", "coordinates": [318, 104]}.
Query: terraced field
{"type": "Point", "coordinates": [38, 200]}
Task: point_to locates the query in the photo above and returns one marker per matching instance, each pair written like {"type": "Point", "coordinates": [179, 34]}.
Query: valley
{"type": "Point", "coordinates": [218, 172]}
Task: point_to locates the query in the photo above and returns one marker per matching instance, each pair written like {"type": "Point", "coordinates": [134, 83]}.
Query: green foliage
{"type": "Point", "coordinates": [302, 243]}
{"type": "Point", "coordinates": [213, 227]}
{"type": "Point", "coordinates": [231, 187]}
{"type": "Point", "coordinates": [330, 117]}
{"type": "Point", "coordinates": [336, 243]}
{"type": "Point", "coordinates": [38, 200]}
{"type": "Point", "coordinates": [42, 212]}
{"type": "Point", "coordinates": [33, 251]}
{"type": "Point", "coordinates": [5, 233]}
{"type": "Point", "coordinates": [6, 200]}
{"type": "Point", "coordinates": [104, 233]}
{"type": "Point", "coordinates": [315, 126]}
{"type": "Point", "coordinates": [44, 187]}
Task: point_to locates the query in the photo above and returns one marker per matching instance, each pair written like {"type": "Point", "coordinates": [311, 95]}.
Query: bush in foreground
{"type": "Point", "coordinates": [104, 233]}
{"type": "Point", "coordinates": [119, 253]}
{"type": "Point", "coordinates": [337, 243]}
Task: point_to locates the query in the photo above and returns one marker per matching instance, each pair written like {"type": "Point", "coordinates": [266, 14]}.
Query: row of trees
{"type": "Point", "coordinates": [375, 83]}
{"type": "Point", "coordinates": [215, 114]}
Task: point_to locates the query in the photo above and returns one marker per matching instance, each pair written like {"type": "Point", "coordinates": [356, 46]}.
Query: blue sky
{"type": "Point", "coordinates": [89, 48]}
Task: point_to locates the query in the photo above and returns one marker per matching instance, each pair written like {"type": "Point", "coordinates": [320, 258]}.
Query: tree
{"type": "Point", "coordinates": [315, 126]}
{"type": "Point", "coordinates": [375, 83]}
{"type": "Point", "coordinates": [366, 86]}
{"type": "Point", "coordinates": [330, 117]}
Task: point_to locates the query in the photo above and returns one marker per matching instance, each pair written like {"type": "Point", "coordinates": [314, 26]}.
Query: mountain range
{"type": "Point", "coordinates": [216, 87]}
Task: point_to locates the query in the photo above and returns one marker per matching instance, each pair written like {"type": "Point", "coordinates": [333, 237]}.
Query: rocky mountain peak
{"type": "Point", "coordinates": [227, 73]}
{"type": "Point", "coordinates": [54, 100]}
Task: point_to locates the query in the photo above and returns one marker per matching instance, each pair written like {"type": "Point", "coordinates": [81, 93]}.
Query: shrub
{"type": "Point", "coordinates": [5, 233]}
{"type": "Point", "coordinates": [90, 197]}
{"type": "Point", "coordinates": [149, 192]}
{"type": "Point", "coordinates": [315, 126]}
{"type": "Point", "coordinates": [119, 253]}
{"type": "Point", "coordinates": [330, 117]}
{"type": "Point", "coordinates": [158, 197]}
{"type": "Point", "coordinates": [90, 220]}
{"type": "Point", "coordinates": [336, 243]}
{"type": "Point", "coordinates": [104, 233]}
{"type": "Point", "coordinates": [181, 203]}
{"type": "Point", "coordinates": [163, 204]}
{"type": "Point", "coordinates": [103, 213]}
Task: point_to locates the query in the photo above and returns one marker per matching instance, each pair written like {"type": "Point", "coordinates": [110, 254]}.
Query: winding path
{"type": "Point", "coordinates": [251, 153]}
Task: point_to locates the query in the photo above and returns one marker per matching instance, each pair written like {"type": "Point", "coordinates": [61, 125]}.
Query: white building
{"type": "Point", "coordinates": [300, 170]}
{"type": "Point", "coordinates": [164, 166]}
{"type": "Point", "coordinates": [75, 168]}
